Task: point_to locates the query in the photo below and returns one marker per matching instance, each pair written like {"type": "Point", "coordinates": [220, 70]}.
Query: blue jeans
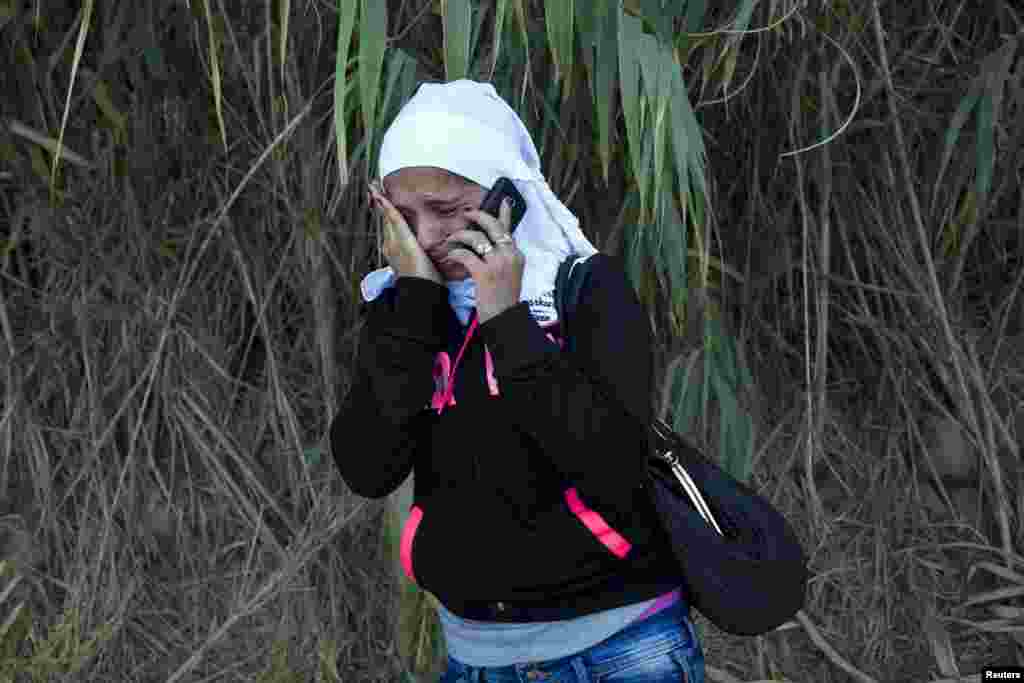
{"type": "Point", "coordinates": [658, 649]}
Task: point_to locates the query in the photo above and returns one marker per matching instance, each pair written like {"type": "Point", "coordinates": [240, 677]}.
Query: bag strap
{"type": "Point", "coordinates": [573, 274]}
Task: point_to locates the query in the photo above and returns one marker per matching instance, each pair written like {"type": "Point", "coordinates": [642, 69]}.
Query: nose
{"type": "Point", "coordinates": [438, 233]}
{"type": "Point", "coordinates": [432, 238]}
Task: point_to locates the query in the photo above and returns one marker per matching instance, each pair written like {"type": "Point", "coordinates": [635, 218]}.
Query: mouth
{"type": "Point", "coordinates": [440, 262]}
{"type": "Point", "coordinates": [450, 265]}
{"type": "Point", "coordinates": [439, 257]}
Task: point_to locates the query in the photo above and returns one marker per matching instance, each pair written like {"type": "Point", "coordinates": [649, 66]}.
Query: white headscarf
{"type": "Point", "coordinates": [466, 128]}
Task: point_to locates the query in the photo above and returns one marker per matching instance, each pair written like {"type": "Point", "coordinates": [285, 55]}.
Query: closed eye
{"type": "Point", "coordinates": [446, 213]}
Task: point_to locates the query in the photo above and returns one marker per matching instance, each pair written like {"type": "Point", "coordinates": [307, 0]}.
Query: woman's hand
{"type": "Point", "coordinates": [403, 253]}
{"type": "Point", "coordinates": [498, 274]}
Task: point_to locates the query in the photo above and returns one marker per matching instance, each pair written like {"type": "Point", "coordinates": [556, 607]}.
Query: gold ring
{"type": "Point", "coordinates": [505, 239]}
{"type": "Point", "coordinates": [484, 249]}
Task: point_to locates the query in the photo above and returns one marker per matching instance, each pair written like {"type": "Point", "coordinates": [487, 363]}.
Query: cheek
{"type": "Point", "coordinates": [432, 229]}
{"type": "Point", "coordinates": [425, 231]}
{"type": "Point", "coordinates": [436, 229]}
{"type": "Point", "coordinates": [424, 241]}
{"type": "Point", "coordinates": [458, 222]}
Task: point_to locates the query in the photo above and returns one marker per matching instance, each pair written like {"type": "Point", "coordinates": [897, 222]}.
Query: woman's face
{"type": "Point", "coordinates": [432, 200]}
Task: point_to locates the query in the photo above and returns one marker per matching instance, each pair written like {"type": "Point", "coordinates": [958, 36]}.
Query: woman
{"type": "Point", "coordinates": [530, 523]}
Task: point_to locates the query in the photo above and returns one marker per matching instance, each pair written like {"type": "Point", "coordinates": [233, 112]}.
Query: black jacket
{"type": "Point", "coordinates": [492, 532]}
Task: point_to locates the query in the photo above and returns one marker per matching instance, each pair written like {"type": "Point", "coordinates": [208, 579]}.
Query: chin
{"type": "Point", "coordinates": [455, 273]}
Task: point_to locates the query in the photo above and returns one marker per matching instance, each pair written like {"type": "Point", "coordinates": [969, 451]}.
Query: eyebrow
{"type": "Point", "coordinates": [433, 201]}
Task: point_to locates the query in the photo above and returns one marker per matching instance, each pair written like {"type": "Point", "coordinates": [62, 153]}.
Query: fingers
{"type": "Point", "coordinates": [387, 210]}
{"type": "Point", "coordinates": [468, 259]}
{"type": "Point", "coordinates": [392, 215]}
{"type": "Point", "coordinates": [496, 228]}
{"type": "Point", "coordinates": [474, 240]}
{"type": "Point", "coordinates": [389, 230]}
{"type": "Point", "coordinates": [395, 227]}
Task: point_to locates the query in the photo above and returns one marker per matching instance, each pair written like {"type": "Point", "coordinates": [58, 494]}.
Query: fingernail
{"type": "Point", "coordinates": [507, 202]}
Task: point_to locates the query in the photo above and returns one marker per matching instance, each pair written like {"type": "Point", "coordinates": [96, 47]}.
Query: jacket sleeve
{"type": "Point", "coordinates": [588, 410]}
{"type": "Point", "coordinates": [382, 420]}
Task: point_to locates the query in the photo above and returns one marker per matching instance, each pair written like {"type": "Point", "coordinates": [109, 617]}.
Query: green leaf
{"type": "Point", "coordinates": [680, 140]}
{"type": "Point", "coordinates": [218, 95]}
{"type": "Point", "coordinates": [587, 37]}
{"type": "Point", "coordinates": [631, 245]}
{"type": "Point", "coordinates": [420, 638]}
{"type": "Point", "coordinates": [6, 12]}
{"type": "Point", "coordinates": [14, 630]}
{"type": "Point", "coordinates": [373, 32]}
{"type": "Point", "coordinates": [312, 455]}
{"type": "Point", "coordinates": [734, 432]}
{"type": "Point", "coordinates": [986, 153]}
{"type": "Point", "coordinates": [688, 381]}
{"type": "Point", "coordinates": [632, 106]}
{"type": "Point", "coordinates": [401, 70]}
{"type": "Point", "coordinates": [964, 110]}
{"type": "Point", "coordinates": [656, 78]}
{"type": "Point", "coordinates": [524, 27]}
{"type": "Point", "coordinates": [607, 14]}
{"type": "Point", "coordinates": [744, 440]}
{"type": "Point", "coordinates": [328, 659]}
{"type": "Point", "coordinates": [735, 426]}
{"type": "Point", "coordinates": [101, 95]}
{"type": "Point", "coordinates": [708, 368]}
{"type": "Point", "coordinates": [457, 26]}
{"type": "Point", "coordinates": [477, 18]}
{"type": "Point", "coordinates": [154, 57]}
{"type": "Point", "coordinates": [743, 15]}
{"type": "Point", "coordinates": [689, 147]}
{"type": "Point", "coordinates": [657, 64]}
{"type": "Point", "coordinates": [996, 70]}
{"type": "Point", "coordinates": [346, 25]}
{"type": "Point", "coordinates": [549, 103]}
{"type": "Point", "coordinates": [695, 10]}
{"type": "Point", "coordinates": [584, 14]}
{"type": "Point", "coordinates": [284, 12]}
{"type": "Point", "coordinates": [725, 359]}
{"type": "Point", "coordinates": [644, 183]}
{"type": "Point", "coordinates": [676, 258]}
{"type": "Point", "coordinates": [500, 12]}
{"type": "Point", "coordinates": [691, 399]}
{"type": "Point", "coordinates": [659, 17]}
{"type": "Point", "coordinates": [559, 18]}
{"type": "Point", "coordinates": [726, 417]}
{"type": "Point", "coordinates": [687, 142]}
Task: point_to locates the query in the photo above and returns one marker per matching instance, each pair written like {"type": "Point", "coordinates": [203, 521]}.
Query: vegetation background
{"type": "Point", "coordinates": [819, 202]}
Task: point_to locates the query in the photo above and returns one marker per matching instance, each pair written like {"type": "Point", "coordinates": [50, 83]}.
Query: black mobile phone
{"type": "Point", "coordinates": [492, 203]}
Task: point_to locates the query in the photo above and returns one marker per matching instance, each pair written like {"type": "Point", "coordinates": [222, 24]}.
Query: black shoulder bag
{"type": "Point", "coordinates": [740, 558]}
